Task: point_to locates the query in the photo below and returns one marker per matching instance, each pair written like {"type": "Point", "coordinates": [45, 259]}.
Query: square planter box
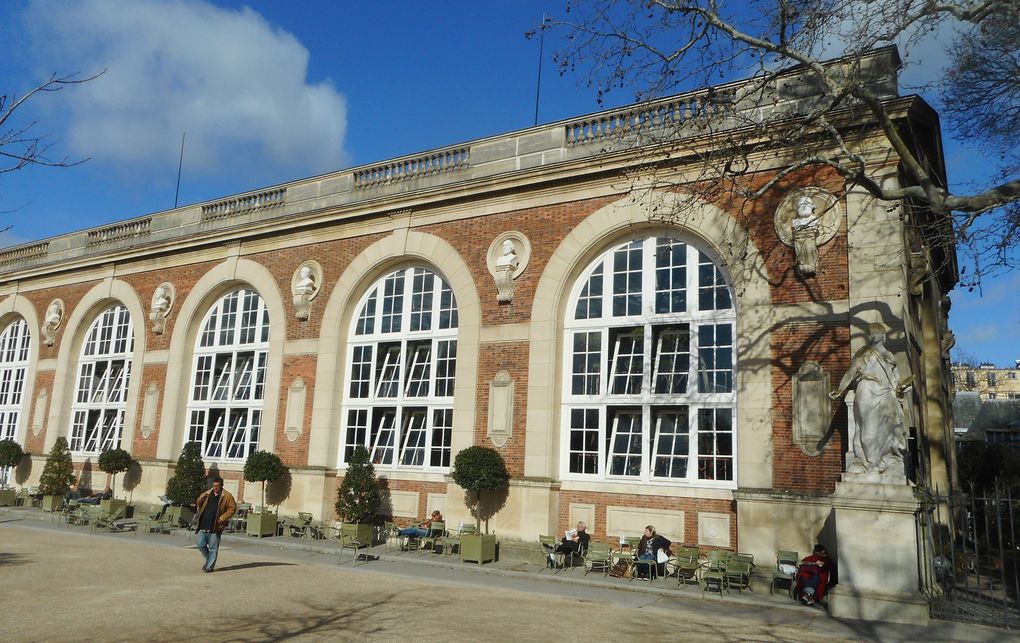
{"type": "Point", "coordinates": [8, 497]}
{"type": "Point", "coordinates": [263, 524]}
{"type": "Point", "coordinates": [111, 505]}
{"type": "Point", "coordinates": [180, 516]}
{"type": "Point", "coordinates": [363, 533]}
{"type": "Point", "coordinates": [480, 549]}
{"type": "Point", "coordinates": [52, 503]}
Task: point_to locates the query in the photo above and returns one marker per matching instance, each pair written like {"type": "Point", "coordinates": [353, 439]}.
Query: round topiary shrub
{"type": "Point", "coordinates": [188, 481]}
{"type": "Point", "coordinates": [477, 470]}
{"type": "Point", "coordinates": [58, 473]}
{"type": "Point", "coordinates": [358, 495]}
{"type": "Point", "coordinates": [263, 466]}
{"type": "Point", "coordinates": [10, 456]}
{"type": "Point", "coordinates": [113, 462]}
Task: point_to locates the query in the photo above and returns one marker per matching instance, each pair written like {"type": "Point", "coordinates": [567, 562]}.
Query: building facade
{"type": "Point", "coordinates": [989, 381]}
{"type": "Point", "coordinates": [518, 292]}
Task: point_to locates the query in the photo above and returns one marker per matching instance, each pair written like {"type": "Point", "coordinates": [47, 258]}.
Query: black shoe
{"type": "Point", "coordinates": [205, 567]}
{"type": "Point", "coordinates": [208, 570]}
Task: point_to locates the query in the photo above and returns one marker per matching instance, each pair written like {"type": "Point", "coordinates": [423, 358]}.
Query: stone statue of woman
{"type": "Point", "coordinates": [805, 237]}
{"type": "Point", "coordinates": [881, 437]}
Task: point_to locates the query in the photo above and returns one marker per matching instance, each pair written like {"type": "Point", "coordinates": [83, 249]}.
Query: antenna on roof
{"type": "Point", "coordinates": [541, 48]}
{"type": "Point", "coordinates": [180, 163]}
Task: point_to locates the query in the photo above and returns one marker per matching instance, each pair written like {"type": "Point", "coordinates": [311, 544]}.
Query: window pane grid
{"type": "Point", "coordinates": [104, 371]}
{"type": "Point", "coordinates": [397, 403]}
{"type": "Point", "coordinates": [644, 423]}
{"type": "Point", "coordinates": [228, 387]}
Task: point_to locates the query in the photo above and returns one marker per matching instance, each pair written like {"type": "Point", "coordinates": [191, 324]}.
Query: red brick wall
{"type": "Point", "coordinates": [294, 454]}
{"type": "Point", "coordinates": [512, 358]}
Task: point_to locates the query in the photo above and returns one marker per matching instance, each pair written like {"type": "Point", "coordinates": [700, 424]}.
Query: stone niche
{"type": "Point", "coordinates": [812, 411]}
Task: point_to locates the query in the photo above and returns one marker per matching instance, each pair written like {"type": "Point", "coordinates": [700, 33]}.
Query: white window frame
{"type": "Point", "coordinates": [400, 428]}
{"type": "Point", "coordinates": [15, 342]}
{"type": "Point", "coordinates": [99, 402]}
{"type": "Point", "coordinates": [651, 405]}
{"type": "Point", "coordinates": [228, 426]}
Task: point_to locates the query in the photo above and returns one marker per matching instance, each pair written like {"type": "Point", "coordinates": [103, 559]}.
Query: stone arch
{"type": "Point", "coordinates": [743, 266]}
{"type": "Point", "coordinates": [371, 264]}
{"type": "Point", "coordinates": [12, 308]}
{"type": "Point", "coordinates": [231, 274]}
{"type": "Point", "coordinates": [106, 293]}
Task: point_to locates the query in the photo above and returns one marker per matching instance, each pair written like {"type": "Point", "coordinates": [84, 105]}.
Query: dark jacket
{"type": "Point", "coordinates": [658, 542]}
{"type": "Point", "coordinates": [225, 511]}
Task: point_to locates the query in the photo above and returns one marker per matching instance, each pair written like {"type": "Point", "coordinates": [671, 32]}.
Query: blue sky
{"type": "Point", "coordinates": [272, 91]}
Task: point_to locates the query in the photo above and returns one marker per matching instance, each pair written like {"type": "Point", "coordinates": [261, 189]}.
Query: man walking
{"type": "Point", "coordinates": [215, 508]}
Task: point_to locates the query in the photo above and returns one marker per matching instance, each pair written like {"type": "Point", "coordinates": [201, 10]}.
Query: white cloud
{"type": "Point", "coordinates": [236, 84]}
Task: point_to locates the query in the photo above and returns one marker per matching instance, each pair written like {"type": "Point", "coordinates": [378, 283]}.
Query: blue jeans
{"type": "Point", "coordinates": [208, 545]}
{"type": "Point", "coordinates": [413, 531]}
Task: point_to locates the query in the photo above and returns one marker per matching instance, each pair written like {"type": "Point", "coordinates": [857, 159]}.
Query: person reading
{"type": "Point", "coordinates": [574, 543]}
{"type": "Point", "coordinates": [815, 576]}
{"type": "Point", "coordinates": [422, 529]}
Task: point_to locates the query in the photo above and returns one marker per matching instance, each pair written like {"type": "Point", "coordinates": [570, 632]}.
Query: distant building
{"type": "Point", "coordinates": [990, 382]}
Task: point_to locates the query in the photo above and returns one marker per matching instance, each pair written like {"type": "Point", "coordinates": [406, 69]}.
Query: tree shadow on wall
{"type": "Point", "coordinates": [132, 478]}
{"type": "Point", "coordinates": [85, 479]}
{"type": "Point", "coordinates": [489, 504]}
{"type": "Point", "coordinates": [24, 470]}
{"type": "Point", "coordinates": [279, 490]}
{"type": "Point", "coordinates": [384, 509]}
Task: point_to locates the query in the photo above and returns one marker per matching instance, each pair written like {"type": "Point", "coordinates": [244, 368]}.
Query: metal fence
{"type": "Point", "coordinates": [968, 556]}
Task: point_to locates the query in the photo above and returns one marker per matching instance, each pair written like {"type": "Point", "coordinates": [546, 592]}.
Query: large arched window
{"type": "Point", "coordinates": [14, 343]}
{"type": "Point", "coordinates": [104, 370]}
{"type": "Point", "coordinates": [401, 365]}
{"type": "Point", "coordinates": [229, 375]}
{"type": "Point", "coordinates": [648, 390]}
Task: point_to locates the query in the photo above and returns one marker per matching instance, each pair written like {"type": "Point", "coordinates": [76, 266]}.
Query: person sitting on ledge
{"type": "Point", "coordinates": [816, 575]}
{"type": "Point", "coordinates": [422, 529]}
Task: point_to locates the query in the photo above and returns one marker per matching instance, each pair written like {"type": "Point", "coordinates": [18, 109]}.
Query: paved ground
{"type": "Point", "coordinates": [64, 583]}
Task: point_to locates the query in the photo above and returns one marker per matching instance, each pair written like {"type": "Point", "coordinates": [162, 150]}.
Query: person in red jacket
{"type": "Point", "coordinates": [816, 574]}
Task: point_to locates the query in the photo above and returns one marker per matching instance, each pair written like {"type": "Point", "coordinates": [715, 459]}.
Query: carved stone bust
{"type": "Point", "coordinates": [304, 286]}
{"type": "Point", "coordinates": [163, 298]}
{"type": "Point", "coordinates": [507, 257]}
{"type": "Point", "coordinates": [51, 322]}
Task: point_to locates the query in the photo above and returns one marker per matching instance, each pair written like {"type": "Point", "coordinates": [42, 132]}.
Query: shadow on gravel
{"type": "Point", "coordinates": [234, 568]}
{"type": "Point", "coordinates": [7, 560]}
{"type": "Point", "coordinates": [354, 620]}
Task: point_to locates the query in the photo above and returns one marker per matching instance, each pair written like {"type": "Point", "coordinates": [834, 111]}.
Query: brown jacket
{"type": "Point", "coordinates": [226, 509]}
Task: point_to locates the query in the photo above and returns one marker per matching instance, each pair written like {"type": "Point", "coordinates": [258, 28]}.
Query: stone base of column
{"type": "Point", "coordinates": [877, 553]}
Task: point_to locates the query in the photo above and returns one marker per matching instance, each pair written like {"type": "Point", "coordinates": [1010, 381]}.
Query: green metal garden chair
{"type": "Point", "coordinates": [598, 555]}
{"type": "Point", "coordinates": [788, 576]}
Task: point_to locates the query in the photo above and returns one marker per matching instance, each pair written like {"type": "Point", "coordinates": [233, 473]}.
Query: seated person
{"type": "Point", "coordinates": [73, 493]}
{"type": "Point", "coordinates": [816, 574]}
{"type": "Point", "coordinates": [422, 529]}
{"type": "Point", "coordinates": [94, 499]}
{"type": "Point", "coordinates": [648, 549]}
{"type": "Point", "coordinates": [575, 543]}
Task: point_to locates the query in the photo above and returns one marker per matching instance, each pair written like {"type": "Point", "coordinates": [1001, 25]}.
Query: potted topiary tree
{"type": "Point", "coordinates": [184, 487]}
{"type": "Point", "coordinates": [10, 456]}
{"type": "Point", "coordinates": [57, 476]}
{"type": "Point", "coordinates": [262, 466]}
{"type": "Point", "coordinates": [478, 470]}
{"type": "Point", "coordinates": [113, 462]}
{"type": "Point", "coordinates": [358, 497]}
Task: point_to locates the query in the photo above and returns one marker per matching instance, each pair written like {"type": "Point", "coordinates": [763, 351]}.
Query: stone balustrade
{"type": "Point", "coordinates": [20, 253]}
{"type": "Point", "coordinates": [119, 231]}
{"type": "Point", "coordinates": [438, 162]}
{"type": "Point", "coordinates": [662, 117]}
{"type": "Point", "coordinates": [243, 204]}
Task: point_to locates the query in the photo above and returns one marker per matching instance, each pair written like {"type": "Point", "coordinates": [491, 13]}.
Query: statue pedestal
{"type": "Point", "coordinates": [877, 542]}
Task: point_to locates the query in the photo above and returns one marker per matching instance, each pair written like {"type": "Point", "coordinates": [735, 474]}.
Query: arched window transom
{"type": "Point", "coordinates": [400, 372]}
{"type": "Point", "coordinates": [104, 370]}
{"type": "Point", "coordinates": [649, 364]}
{"type": "Point", "coordinates": [14, 345]}
{"type": "Point", "coordinates": [229, 376]}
